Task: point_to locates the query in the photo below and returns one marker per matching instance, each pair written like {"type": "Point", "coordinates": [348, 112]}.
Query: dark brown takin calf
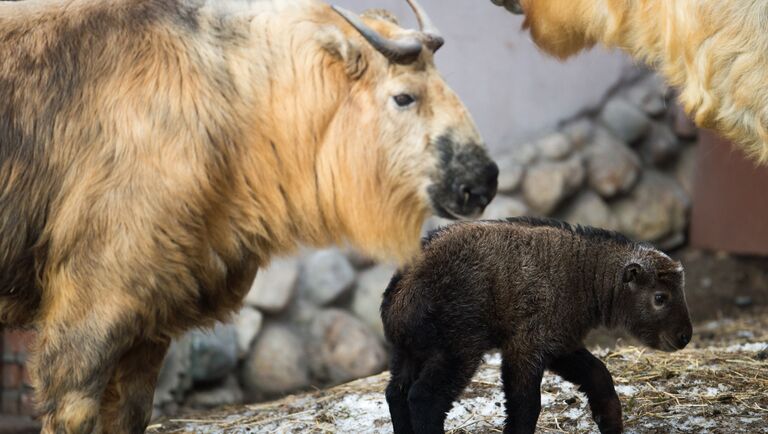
{"type": "Point", "coordinates": [532, 288]}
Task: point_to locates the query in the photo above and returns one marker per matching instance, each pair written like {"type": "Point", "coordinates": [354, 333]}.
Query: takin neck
{"type": "Point", "coordinates": [600, 264]}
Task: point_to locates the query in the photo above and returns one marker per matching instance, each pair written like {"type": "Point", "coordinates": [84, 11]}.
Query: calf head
{"type": "Point", "coordinates": [652, 302]}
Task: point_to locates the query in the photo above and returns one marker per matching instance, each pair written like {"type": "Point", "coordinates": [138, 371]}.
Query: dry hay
{"type": "Point", "coordinates": [717, 385]}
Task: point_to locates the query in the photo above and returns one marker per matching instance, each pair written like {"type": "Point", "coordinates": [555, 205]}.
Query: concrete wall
{"type": "Point", "coordinates": [513, 90]}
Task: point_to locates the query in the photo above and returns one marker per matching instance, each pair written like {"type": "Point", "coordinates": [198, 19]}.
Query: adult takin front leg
{"type": "Point", "coordinates": [590, 374]}
{"type": "Point", "coordinates": [127, 402]}
{"type": "Point", "coordinates": [521, 378]}
{"type": "Point", "coordinates": [441, 379]}
{"type": "Point", "coordinates": [74, 356]}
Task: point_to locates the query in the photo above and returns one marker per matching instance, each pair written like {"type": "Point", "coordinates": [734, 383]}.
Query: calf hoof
{"type": "Point", "coordinates": [609, 425]}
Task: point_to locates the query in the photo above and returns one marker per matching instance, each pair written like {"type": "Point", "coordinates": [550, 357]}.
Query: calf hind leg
{"type": "Point", "coordinates": [590, 374]}
{"type": "Point", "coordinates": [441, 380]}
{"type": "Point", "coordinates": [403, 372]}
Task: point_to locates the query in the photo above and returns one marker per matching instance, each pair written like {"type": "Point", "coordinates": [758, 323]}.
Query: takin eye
{"type": "Point", "coordinates": [659, 299]}
{"type": "Point", "coordinates": [404, 100]}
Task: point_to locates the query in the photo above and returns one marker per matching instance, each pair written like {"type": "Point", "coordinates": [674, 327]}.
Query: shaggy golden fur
{"type": "Point", "coordinates": [155, 153]}
{"type": "Point", "coordinates": [715, 51]}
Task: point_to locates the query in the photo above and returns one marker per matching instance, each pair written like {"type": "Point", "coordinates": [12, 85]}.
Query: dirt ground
{"type": "Point", "coordinates": [717, 384]}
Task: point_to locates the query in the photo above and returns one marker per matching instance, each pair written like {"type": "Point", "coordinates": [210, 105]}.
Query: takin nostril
{"type": "Point", "coordinates": [466, 192]}
{"type": "Point", "coordinates": [684, 339]}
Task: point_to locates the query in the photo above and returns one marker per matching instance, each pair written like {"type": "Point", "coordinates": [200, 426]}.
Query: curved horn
{"type": "Point", "coordinates": [434, 39]}
{"type": "Point", "coordinates": [402, 51]}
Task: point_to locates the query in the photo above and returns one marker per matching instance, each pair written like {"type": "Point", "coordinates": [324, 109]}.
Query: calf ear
{"type": "Point", "coordinates": [333, 40]}
{"type": "Point", "coordinates": [632, 273]}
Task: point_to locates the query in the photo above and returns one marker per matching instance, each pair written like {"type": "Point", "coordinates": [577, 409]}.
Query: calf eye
{"type": "Point", "coordinates": [659, 299]}
{"type": "Point", "coordinates": [404, 100]}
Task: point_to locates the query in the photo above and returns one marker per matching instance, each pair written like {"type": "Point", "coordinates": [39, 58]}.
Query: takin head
{"type": "Point", "coordinates": [652, 304]}
{"type": "Point", "coordinates": [408, 144]}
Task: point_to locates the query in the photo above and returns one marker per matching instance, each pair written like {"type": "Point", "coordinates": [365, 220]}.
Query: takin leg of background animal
{"type": "Point", "coordinates": [403, 372]}
{"type": "Point", "coordinates": [593, 378]}
{"type": "Point", "coordinates": [126, 406]}
{"type": "Point", "coordinates": [441, 380]}
{"type": "Point", "coordinates": [522, 392]}
{"type": "Point", "coordinates": [71, 365]}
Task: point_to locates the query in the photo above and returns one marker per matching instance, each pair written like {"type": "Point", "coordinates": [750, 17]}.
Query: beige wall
{"type": "Point", "coordinates": [513, 91]}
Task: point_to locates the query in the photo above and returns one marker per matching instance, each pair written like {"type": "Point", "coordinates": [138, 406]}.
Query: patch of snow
{"type": "Point", "coordinates": [547, 399]}
{"type": "Point", "coordinates": [697, 424]}
{"type": "Point", "coordinates": [493, 359]}
{"type": "Point", "coordinates": [468, 412]}
{"type": "Point", "coordinates": [625, 389]}
{"type": "Point", "coordinates": [749, 347]}
{"type": "Point", "coordinates": [362, 413]}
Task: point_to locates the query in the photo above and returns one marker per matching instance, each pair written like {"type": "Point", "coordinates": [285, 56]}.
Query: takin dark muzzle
{"type": "Point", "coordinates": [467, 180]}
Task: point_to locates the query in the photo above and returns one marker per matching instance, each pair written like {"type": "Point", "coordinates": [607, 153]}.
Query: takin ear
{"type": "Point", "coordinates": [632, 273]}
{"type": "Point", "coordinates": [333, 40]}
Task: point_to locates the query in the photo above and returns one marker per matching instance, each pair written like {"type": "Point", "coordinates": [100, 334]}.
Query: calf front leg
{"type": "Point", "coordinates": [590, 374]}
{"type": "Point", "coordinates": [521, 378]}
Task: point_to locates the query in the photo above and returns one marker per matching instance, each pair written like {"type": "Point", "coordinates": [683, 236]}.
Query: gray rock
{"type": "Point", "coordinates": [228, 393]}
{"type": "Point", "coordinates": [277, 363]}
{"type": "Point", "coordinates": [511, 173]}
{"type": "Point", "coordinates": [274, 285]}
{"type": "Point", "coordinates": [575, 174]}
{"type": "Point", "coordinates": [612, 168]}
{"type": "Point", "coordinates": [555, 146]}
{"type": "Point", "coordinates": [685, 168]}
{"type": "Point", "coordinates": [625, 120]}
{"type": "Point", "coordinates": [660, 146]}
{"type": "Point", "coordinates": [682, 125]}
{"type": "Point", "coordinates": [649, 94]}
{"type": "Point", "coordinates": [343, 348]}
{"type": "Point", "coordinates": [212, 353]}
{"type": "Point", "coordinates": [248, 324]}
{"type": "Point", "coordinates": [368, 293]}
{"type": "Point", "coordinates": [656, 210]}
{"type": "Point", "coordinates": [546, 185]}
{"type": "Point", "coordinates": [174, 379]}
{"type": "Point", "coordinates": [589, 209]}
{"type": "Point", "coordinates": [505, 206]}
{"type": "Point", "coordinates": [522, 154]}
{"type": "Point", "coordinates": [359, 260]}
{"type": "Point", "coordinates": [579, 132]}
{"type": "Point", "coordinates": [325, 276]}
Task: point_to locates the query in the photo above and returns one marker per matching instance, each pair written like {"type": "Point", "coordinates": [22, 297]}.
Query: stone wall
{"type": "Point", "coordinates": [312, 321]}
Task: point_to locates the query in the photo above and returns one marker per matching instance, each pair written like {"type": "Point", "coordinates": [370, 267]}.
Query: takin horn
{"type": "Point", "coordinates": [434, 40]}
{"type": "Point", "coordinates": [401, 51]}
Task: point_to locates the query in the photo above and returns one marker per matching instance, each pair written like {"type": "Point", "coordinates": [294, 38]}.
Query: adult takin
{"type": "Point", "coordinates": [532, 288]}
{"type": "Point", "coordinates": [713, 50]}
{"type": "Point", "coordinates": [155, 153]}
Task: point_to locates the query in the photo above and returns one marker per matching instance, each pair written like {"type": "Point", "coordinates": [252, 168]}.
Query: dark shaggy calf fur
{"type": "Point", "coordinates": [532, 288]}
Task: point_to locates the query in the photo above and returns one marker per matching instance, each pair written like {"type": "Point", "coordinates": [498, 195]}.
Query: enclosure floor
{"type": "Point", "coordinates": [719, 384]}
